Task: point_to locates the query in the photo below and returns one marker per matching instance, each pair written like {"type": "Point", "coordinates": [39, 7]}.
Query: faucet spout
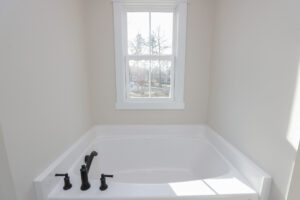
{"type": "Point", "coordinates": [89, 159]}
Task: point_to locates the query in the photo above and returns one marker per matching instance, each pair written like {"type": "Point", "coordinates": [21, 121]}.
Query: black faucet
{"type": "Point", "coordinates": [104, 185]}
{"type": "Point", "coordinates": [85, 185]}
{"type": "Point", "coordinates": [88, 160]}
{"type": "Point", "coordinates": [67, 184]}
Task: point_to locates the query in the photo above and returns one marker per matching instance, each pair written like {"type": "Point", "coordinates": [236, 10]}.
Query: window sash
{"type": "Point", "coordinates": [150, 98]}
{"type": "Point", "coordinates": [150, 57]}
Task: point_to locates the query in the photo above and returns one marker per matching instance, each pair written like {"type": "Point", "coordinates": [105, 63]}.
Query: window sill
{"type": "Point", "coordinates": [149, 106]}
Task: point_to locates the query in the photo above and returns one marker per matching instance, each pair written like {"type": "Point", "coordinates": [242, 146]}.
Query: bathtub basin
{"type": "Point", "coordinates": [156, 162]}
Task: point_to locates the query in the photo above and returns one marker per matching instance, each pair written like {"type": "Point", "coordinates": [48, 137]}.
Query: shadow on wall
{"type": "Point", "coordinates": [6, 182]}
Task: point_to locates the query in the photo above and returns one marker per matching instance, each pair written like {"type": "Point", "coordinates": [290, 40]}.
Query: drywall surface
{"type": "Point", "coordinates": [6, 184]}
{"type": "Point", "coordinates": [44, 104]}
{"type": "Point", "coordinates": [255, 64]}
{"type": "Point", "coordinates": [101, 50]}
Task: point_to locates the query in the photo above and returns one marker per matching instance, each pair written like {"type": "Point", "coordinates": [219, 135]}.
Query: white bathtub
{"type": "Point", "coordinates": [156, 162]}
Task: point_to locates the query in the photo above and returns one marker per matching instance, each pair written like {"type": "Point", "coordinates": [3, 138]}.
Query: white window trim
{"type": "Point", "coordinates": [179, 7]}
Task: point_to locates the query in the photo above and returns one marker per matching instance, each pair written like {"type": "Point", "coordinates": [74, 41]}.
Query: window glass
{"type": "Point", "coordinates": [161, 33]}
{"type": "Point", "coordinates": [150, 35]}
{"type": "Point", "coordinates": [138, 78]}
{"type": "Point", "coordinates": [161, 79]}
{"type": "Point", "coordinates": [138, 33]}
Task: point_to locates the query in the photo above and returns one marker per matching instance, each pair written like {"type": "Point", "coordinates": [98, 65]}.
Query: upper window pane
{"type": "Point", "coordinates": [150, 33]}
{"type": "Point", "coordinates": [161, 33]}
{"type": "Point", "coordinates": [138, 33]}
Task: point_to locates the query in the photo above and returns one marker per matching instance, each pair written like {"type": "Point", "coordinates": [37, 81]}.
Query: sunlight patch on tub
{"type": "Point", "coordinates": [191, 188]}
{"type": "Point", "coordinates": [229, 186]}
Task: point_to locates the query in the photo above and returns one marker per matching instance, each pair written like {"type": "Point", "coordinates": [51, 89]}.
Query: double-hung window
{"type": "Point", "coordinates": [150, 53]}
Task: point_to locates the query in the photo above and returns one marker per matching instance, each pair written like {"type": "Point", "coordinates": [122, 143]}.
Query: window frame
{"type": "Point", "coordinates": [179, 9]}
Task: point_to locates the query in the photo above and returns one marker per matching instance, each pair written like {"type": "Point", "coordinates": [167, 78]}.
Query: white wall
{"type": "Point", "coordinates": [44, 95]}
{"type": "Point", "coordinates": [101, 46]}
{"type": "Point", "coordinates": [256, 58]}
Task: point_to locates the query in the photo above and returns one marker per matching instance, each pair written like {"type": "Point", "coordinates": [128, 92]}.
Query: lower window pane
{"type": "Point", "coordinates": [138, 79]}
{"type": "Point", "coordinates": [161, 79]}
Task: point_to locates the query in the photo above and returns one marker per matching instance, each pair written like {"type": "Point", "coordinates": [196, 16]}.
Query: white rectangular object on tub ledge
{"type": "Point", "coordinates": [154, 163]}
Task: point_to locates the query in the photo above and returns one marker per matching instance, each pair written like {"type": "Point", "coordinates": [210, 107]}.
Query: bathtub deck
{"type": "Point", "coordinates": [229, 188]}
